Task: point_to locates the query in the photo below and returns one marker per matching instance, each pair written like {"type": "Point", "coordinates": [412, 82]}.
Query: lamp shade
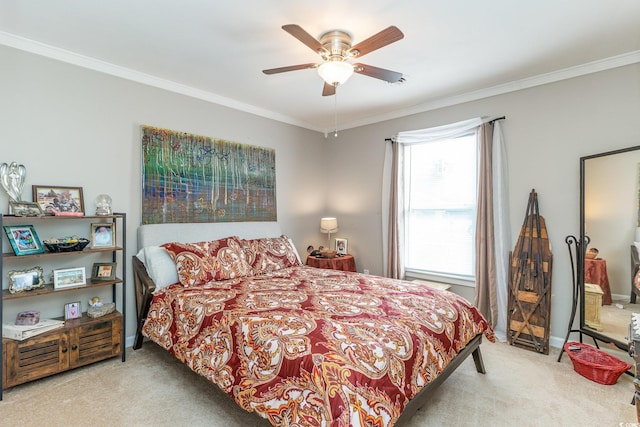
{"type": "Point", "coordinates": [328, 225]}
{"type": "Point", "coordinates": [335, 72]}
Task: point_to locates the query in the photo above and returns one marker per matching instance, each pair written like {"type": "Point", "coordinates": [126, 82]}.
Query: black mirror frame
{"type": "Point", "coordinates": [580, 254]}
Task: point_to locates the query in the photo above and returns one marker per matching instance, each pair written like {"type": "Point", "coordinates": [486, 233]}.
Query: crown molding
{"type": "Point", "coordinates": [101, 66]}
{"type": "Point", "coordinates": [539, 80]}
{"type": "Point", "coordinates": [70, 57]}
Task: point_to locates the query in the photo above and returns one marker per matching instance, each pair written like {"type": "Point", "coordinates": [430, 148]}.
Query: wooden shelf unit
{"type": "Point", "coordinates": [81, 341]}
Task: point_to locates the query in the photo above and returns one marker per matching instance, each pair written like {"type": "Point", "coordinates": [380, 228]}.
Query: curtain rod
{"type": "Point", "coordinates": [490, 121]}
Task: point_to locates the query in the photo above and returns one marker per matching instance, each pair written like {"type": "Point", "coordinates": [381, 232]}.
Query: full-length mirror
{"type": "Point", "coordinates": [610, 222]}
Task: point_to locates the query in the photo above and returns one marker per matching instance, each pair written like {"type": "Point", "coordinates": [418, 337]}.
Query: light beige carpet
{"type": "Point", "coordinates": [151, 388]}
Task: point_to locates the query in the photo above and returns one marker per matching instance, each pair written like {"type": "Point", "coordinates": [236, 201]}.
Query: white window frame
{"type": "Point", "coordinates": [404, 139]}
{"type": "Point", "coordinates": [449, 277]}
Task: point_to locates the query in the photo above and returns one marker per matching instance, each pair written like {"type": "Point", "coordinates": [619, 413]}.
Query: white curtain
{"type": "Point", "coordinates": [386, 186]}
{"type": "Point", "coordinates": [453, 130]}
{"type": "Point", "coordinates": [502, 226]}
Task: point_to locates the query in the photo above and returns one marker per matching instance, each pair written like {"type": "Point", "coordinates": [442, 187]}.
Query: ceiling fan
{"type": "Point", "coordinates": [335, 49]}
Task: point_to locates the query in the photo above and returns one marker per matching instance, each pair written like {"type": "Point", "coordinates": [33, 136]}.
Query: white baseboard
{"type": "Point", "coordinates": [128, 342]}
{"type": "Point", "coordinates": [556, 342]}
{"type": "Point", "coordinates": [619, 297]}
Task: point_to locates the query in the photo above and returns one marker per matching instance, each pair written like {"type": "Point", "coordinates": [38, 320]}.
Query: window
{"type": "Point", "coordinates": [440, 214]}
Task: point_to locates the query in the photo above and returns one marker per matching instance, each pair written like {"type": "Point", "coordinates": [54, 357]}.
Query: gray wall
{"type": "Point", "coordinates": [76, 127]}
{"type": "Point", "coordinates": [547, 129]}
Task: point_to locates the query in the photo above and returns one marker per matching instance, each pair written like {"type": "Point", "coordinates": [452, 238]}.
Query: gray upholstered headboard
{"type": "Point", "coordinates": [159, 265]}
{"type": "Point", "coordinates": [157, 234]}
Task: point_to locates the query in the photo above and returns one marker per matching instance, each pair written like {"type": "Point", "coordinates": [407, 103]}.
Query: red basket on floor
{"type": "Point", "coordinates": [595, 364]}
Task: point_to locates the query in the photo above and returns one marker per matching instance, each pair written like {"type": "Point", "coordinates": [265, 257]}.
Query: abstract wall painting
{"type": "Point", "coordinates": [189, 178]}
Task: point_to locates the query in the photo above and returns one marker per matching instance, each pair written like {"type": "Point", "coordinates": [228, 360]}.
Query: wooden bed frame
{"type": "Point", "coordinates": [144, 288]}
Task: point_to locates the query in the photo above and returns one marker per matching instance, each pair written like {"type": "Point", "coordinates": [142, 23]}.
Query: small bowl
{"type": "Point", "coordinates": [328, 253]}
{"type": "Point", "coordinates": [592, 253]}
{"type": "Point", "coordinates": [66, 245]}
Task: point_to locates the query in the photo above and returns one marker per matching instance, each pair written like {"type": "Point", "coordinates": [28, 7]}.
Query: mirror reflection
{"type": "Point", "coordinates": [612, 224]}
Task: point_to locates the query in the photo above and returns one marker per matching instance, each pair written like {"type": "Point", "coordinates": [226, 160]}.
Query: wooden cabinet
{"type": "Point", "coordinates": [592, 306]}
{"type": "Point", "coordinates": [80, 341]}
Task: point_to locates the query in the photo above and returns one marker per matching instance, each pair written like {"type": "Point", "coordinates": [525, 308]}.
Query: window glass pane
{"type": "Point", "coordinates": [440, 223]}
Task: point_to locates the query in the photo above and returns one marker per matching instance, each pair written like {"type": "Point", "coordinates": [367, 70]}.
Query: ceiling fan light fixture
{"type": "Point", "coordinates": [335, 72]}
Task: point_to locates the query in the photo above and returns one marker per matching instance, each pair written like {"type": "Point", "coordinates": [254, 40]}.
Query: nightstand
{"type": "Point", "coordinates": [342, 263]}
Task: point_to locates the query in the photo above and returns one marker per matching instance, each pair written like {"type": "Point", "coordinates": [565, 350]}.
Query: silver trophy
{"type": "Point", "coordinates": [12, 177]}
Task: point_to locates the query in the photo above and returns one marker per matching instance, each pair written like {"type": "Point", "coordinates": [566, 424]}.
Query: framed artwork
{"type": "Point", "coordinates": [72, 310]}
{"type": "Point", "coordinates": [190, 178]}
{"type": "Point", "coordinates": [59, 199]}
{"type": "Point", "coordinates": [104, 271]}
{"type": "Point", "coordinates": [24, 239]}
{"type": "Point", "coordinates": [25, 280]}
{"type": "Point", "coordinates": [342, 246]}
{"type": "Point", "coordinates": [26, 208]}
{"type": "Point", "coordinates": [103, 235]}
{"type": "Point", "coordinates": [69, 278]}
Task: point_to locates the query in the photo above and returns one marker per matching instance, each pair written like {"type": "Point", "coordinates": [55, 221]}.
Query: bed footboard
{"type": "Point", "coordinates": [421, 398]}
{"type": "Point", "coordinates": [144, 288]}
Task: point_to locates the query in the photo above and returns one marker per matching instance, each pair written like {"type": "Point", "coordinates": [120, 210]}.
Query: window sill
{"type": "Point", "coordinates": [442, 278]}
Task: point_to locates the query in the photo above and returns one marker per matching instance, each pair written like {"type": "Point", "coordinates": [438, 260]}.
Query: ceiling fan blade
{"type": "Point", "coordinates": [376, 41]}
{"type": "Point", "coordinates": [290, 68]}
{"type": "Point", "coordinates": [328, 90]}
{"type": "Point", "coordinates": [378, 73]}
{"type": "Point", "coordinates": [306, 38]}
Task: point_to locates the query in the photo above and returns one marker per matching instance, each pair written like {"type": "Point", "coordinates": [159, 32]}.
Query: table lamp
{"type": "Point", "coordinates": [328, 225]}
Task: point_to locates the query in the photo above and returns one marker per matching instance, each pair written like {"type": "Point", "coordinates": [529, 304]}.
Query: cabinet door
{"type": "Point", "coordinates": [95, 340]}
{"type": "Point", "coordinates": [34, 358]}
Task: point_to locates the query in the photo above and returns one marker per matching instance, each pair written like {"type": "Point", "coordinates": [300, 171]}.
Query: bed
{"type": "Point", "coordinates": [297, 345]}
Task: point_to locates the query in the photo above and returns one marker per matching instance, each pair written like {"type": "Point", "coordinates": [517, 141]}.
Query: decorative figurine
{"type": "Point", "coordinates": [103, 204]}
{"type": "Point", "coordinates": [97, 308]}
{"type": "Point", "coordinates": [12, 177]}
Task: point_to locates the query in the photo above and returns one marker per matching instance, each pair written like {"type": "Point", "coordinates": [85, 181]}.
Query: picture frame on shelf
{"type": "Point", "coordinates": [69, 278]}
{"type": "Point", "coordinates": [72, 310]}
{"type": "Point", "coordinates": [104, 271]}
{"type": "Point", "coordinates": [25, 208]}
{"type": "Point", "coordinates": [25, 280]}
{"type": "Point", "coordinates": [103, 235]}
{"type": "Point", "coordinates": [58, 198]}
{"type": "Point", "coordinates": [24, 239]}
{"type": "Point", "coordinates": [342, 246]}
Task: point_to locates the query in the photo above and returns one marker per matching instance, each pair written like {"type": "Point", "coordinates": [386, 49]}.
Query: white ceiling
{"type": "Point", "coordinates": [453, 51]}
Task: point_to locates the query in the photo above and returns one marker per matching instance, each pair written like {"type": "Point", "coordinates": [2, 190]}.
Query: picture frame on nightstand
{"type": "Point", "coordinates": [342, 246]}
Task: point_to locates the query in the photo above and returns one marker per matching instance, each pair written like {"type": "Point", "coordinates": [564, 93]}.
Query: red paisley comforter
{"type": "Point", "coordinates": [307, 346]}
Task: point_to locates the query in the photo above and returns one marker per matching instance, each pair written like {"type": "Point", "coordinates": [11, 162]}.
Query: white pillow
{"type": "Point", "coordinates": [295, 250]}
{"type": "Point", "coordinates": [160, 266]}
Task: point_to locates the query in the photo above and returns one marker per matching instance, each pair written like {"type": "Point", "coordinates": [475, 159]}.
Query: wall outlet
{"type": "Point", "coordinates": [365, 271]}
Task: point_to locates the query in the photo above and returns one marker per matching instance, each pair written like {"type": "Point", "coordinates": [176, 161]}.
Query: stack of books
{"type": "Point", "coordinates": [23, 332]}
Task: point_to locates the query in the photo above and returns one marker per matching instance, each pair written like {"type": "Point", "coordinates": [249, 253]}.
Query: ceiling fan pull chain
{"type": "Point", "coordinates": [335, 112]}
